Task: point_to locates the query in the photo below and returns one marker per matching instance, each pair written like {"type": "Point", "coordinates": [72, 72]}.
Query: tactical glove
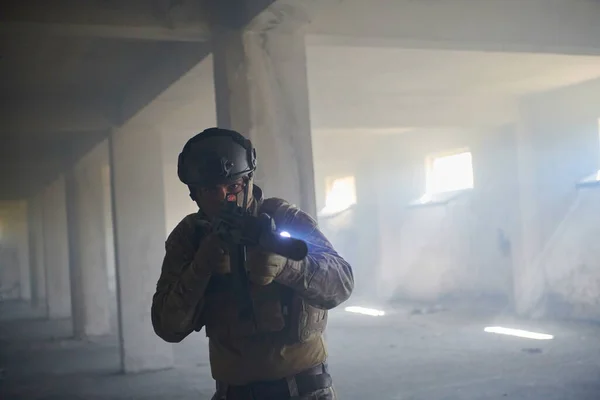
{"type": "Point", "coordinates": [263, 266]}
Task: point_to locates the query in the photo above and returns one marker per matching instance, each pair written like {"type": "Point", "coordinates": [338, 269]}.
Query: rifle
{"type": "Point", "coordinates": [239, 229]}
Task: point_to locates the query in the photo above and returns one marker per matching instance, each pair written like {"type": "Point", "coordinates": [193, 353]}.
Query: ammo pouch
{"type": "Point", "coordinates": [221, 315]}
{"type": "Point", "coordinates": [277, 310]}
{"type": "Point", "coordinates": [305, 321]}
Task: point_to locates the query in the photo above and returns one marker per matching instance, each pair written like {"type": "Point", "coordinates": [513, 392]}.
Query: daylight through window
{"type": "Point", "coordinates": [341, 195]}
{"type": "Point", "coordinates": [450, 173]}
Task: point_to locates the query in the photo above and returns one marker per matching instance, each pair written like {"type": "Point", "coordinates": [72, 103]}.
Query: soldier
{"type": "Point", "coordinates": [281, 354]}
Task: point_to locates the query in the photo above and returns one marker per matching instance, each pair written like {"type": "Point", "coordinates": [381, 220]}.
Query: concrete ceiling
{"type": "Point", "coordinates": [69, 66]}
{"type": "Point", "coordinates": [378, 87]}
{"type": "Point", "coordinates": [552, 26]}
{"type": "Point", "coordinates": [71, 70]}
{"type": "Point", "coordinates": [75, 87]}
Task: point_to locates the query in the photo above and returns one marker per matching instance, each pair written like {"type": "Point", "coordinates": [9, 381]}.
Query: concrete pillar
{"type": "Point", "coordinates": [14, 251]}
{"type": "Point", "coordinates": [528, 281]}
{"type": "Point", "coordinates": [56, 250]}
{"type": "Point", "coordinates": [21, 239]}
{"type": "Point", "coordinates": [557, 145]}
{"type": "Point", "coordinates": [261, 90]}
{"type": "Point", "coordinates": [187, 116]}
{"type": "Point", "coordinates": [89, 278]}
{"type": "Point", "coordinates": [139, 222]}
{"type": "Point", "coordinates": [109, 239]}
{"type": "Point", "coordinates": [36, 251]}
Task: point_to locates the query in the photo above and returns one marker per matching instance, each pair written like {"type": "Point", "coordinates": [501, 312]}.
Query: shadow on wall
{"type": "Point", "coordinates": [443, 252]}
{"type": "Point", "coordinates": [570, 263]}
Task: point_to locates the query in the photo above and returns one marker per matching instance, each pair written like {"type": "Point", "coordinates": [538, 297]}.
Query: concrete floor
{"type": "Point", "coordinates": [435, 356]}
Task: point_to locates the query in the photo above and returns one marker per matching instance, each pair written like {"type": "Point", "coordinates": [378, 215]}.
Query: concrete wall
{"type": "Point", "coordinates": [139, 211]}
{"type": "Point", "coordinates": [178, 203]}
{"type": "Point", "coordinates": [88, 254]}
{"type": "Point", "coordinates": [458, 249]}
{"type": "Point", "coordinates": [560, 139]}
{"type": "Point", "coordinates": [521, 236]}
{"type": "Point", "coordinates": [563, 126]}
{"type": "Point", "coordinates": [430, 256]}
{"type": "Point", "coordinates": [109, 237]}
{"type": "Point", "coordinates": [415, 253]}
{"type": "Point", "coordinates": [191, 108]}
{"type": "Point", "coordinates": [56, 249]}
{"type": "Point", "coordinates": [339, 154]}
{"type": "Point", "coordinates": [14, 251]}
{"type": "Point", "coordinates": [355, 233]}
{"type": "Point", "coordinates": [36, 250]}
{"type": "Point", "coordinates": [421, 253]}
{"type": "Point", "coordinates": [570, 264]}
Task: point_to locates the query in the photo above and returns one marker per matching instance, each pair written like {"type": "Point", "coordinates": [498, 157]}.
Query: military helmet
{"type": "Point", "coordinates": [216, 156]}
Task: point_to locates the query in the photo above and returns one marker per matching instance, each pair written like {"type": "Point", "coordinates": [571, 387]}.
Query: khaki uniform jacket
{"type": "Point", "coordinates": [188, 298]}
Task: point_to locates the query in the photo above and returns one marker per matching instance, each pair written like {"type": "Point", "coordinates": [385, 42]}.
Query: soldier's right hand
{"type": "Point", "coordinates": [211, 255]}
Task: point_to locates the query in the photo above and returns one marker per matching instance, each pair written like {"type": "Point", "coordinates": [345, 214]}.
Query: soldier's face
{"type": "Point", "coordinates": [210, 199]}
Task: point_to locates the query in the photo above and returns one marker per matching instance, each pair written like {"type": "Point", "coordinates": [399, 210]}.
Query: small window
{"type": "Point", "coordinates": [449, 173]}
{"type": "Point", "coordinates": [341, 195]}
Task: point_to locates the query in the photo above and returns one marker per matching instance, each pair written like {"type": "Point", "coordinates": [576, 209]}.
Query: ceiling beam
{"type": "Point", "coordinates": [54, 115]}
{"type": "Point", "coordinates": [393, 111]}
{"type": "Point", "coordinates": [149, 85]}
{"type": "Point", "coordinates": [259, 15]}
{"type": "Point", "coordinates": [21, 178]}
{"type": "Point", "coordinates": [32, 117]}
{"type": "Point", "coordinates": [160, 20]}
{"type": "Point", "coordinates": [542, 26]}
{"type": "Point", "coordinates": [28, 165]}
{"type": "Point", "coordinates": [156, 33]}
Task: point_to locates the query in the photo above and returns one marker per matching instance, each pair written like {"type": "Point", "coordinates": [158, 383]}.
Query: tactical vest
{"type": "Point", "coordinates": [278, 310]}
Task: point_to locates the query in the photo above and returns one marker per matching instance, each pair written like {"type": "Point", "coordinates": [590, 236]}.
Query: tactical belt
{"type": "Point", "coordinates": [304, 383]}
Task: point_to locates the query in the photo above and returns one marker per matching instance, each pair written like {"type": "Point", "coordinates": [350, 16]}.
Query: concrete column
{"type": "Point", "coordinates": [21, 233]}
{"type": "Point", "coordinates": [139, 221]}
{"type": "Point", "coordinates": [109, 239]}
{"type": "Point", "coordinates": [14, 251]}
{"type": "Point", "coordinates": [261, 90]}
{"type": "Point", "coordinates": [557, 145]}
{"type": "Point", "coordinates": [36, 251]}
{"type": "Point", "coordinates": [56, 250]}
{"type": "Point", "coordinates": [89, 278]}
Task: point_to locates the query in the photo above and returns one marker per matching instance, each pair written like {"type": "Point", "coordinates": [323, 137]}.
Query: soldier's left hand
{"type": "Point", "coordinates": [263, 266]}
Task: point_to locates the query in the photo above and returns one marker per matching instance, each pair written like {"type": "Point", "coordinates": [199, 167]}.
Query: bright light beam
{"type": "Point", "coordinates": [366, 311]}
{"type": "Point", "coordinates": [285, 234]}
{"type": "Point", "coordinates": [517, 332]}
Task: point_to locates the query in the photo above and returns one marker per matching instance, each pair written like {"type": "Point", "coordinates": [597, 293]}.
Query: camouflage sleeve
{"type": "Point", "coordinates": [181, 286]}
{"type": "Point", "coordinates": [324, 279]}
